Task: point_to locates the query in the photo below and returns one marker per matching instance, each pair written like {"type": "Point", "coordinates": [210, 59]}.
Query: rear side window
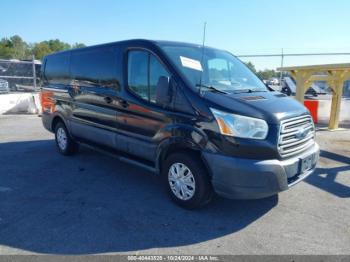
{"type": "Point", "coordinates": [144, 71]}
{"type": "Point", "coordinates": [57, 68]}
{"type": "Point", "coordinates": [96, 67]}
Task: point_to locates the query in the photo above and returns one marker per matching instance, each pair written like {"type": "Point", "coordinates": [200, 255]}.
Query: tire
{"type": "Point", "coordinates": [65, 144]}
{"type": "Point", "coordinates": [191, 190]}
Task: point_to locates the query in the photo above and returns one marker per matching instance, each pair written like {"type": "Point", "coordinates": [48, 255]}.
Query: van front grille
{"type": "Point", "coordinates": [296, 135]}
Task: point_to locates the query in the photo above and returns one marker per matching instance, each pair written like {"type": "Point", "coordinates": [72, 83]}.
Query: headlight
{"type": "Point", "coordinates": [240, 126]}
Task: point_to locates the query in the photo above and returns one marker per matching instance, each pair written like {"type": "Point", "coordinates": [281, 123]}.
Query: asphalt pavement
{"type": "Point", "coordinates": [93, 204]}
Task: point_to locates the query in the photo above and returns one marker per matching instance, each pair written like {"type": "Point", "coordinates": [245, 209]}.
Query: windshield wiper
{"type": "Point", "coordinates": [211, 88]}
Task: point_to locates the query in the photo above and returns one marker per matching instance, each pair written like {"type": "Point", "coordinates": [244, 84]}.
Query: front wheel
{"type": "Point", "coordinates": [187, 180]}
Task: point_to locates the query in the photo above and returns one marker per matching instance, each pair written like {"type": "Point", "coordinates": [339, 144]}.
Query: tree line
{"type": "Point", "coordinates": [15, 47]}
{"type": "Point", "coordinates": [263, 74]}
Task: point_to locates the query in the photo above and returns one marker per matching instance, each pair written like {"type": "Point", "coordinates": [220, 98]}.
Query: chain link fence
{"type": "Point", "coordinates": [19, 86]}
{"type": "Point", "coordinates": [19, 75]}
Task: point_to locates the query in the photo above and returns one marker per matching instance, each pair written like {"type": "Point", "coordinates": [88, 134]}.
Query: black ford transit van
{"type": "Point", "coordinates": [196, 116]}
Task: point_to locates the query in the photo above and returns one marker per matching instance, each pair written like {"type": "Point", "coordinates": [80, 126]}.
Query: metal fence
{"type": "Point", "coordinates": [19, 75]}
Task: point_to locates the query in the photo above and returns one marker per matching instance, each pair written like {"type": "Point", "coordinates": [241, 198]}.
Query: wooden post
{"type": "Point", "coordinates": [300, 88]}
{"type": "Point", "coordinates": [301, 79]}
{"type": "Point", "coordinates": [335, 75]}
{"type": "Point", "coordinates": [336, 102]}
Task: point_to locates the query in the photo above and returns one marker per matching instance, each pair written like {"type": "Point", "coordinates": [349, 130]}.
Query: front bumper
{"type": "Point", "coordinates": [240, 178]}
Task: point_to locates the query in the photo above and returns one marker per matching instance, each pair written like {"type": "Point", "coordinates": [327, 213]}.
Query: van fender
{"type": "Point", "coordinates": [60, 113]}
{"type": "Point", "coordinates": [182, 137]}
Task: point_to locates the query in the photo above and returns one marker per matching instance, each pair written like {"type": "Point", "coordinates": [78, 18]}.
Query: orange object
{"type": "Point", "coordinates": [47, 103]}
{"type": "Point", "coordinates": [312, 105]}
{"type": "Point", "coordinates": [223, 127]}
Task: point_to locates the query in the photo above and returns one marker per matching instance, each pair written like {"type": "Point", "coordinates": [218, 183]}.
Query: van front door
{"type": "Point", "coordinates": [140, 118]}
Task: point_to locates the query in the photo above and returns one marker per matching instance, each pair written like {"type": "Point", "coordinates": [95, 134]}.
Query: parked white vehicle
{"type": "Point", "coordinates": [274, 81]}
{"type": "Point", "coordinates": [4, 86]}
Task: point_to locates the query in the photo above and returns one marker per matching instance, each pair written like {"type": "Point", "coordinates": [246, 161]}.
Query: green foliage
{"type": "Point", "coordinates": [40, 50]}
{"type": "Point", "coordinates": [262, 74]}
{"type": "Point", "coordinates": [15, 48]}
{"type": "Point", "coordinates": [19, 47]}
{"type": "Point", "coordinates": [251, 66]}
{"type": "Point", "coordinates": [6, 48]}
{"type": "Point", "coordinates": [78, 45]}
{"type": "Point", "coordinates": [267, 74]}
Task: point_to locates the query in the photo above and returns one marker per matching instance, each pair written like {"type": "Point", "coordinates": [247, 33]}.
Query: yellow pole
{"type": "Point", "coordinates": [336, 102]}
{"type": "Point", "coordinates": [300, 82]}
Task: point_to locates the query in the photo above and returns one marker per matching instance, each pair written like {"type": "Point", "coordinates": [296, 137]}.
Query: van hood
{"type": "Point", "coordinates": [271, 106]}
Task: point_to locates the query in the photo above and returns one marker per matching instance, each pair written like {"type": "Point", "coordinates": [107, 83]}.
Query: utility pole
{"type": "Point", "coordinates": [34, 72]}
{"type": "Point", "coordinates": [281, 73]}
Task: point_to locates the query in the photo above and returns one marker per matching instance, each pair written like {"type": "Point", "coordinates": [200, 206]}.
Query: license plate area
{"type": "Point", "coordinates": [307, 163]}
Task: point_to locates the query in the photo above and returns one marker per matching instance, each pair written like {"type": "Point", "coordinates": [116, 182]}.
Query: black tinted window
{"type": "Point", "coordinates": [138, 73]}
{"type": "Point", "coordinates": [155, 72]}
{"type": "Point", "coordinates": [95, 67]}
{"type": "Point", "coordinates": [57, 68]}
{"type": "Point", "coordinates": [144, 71]}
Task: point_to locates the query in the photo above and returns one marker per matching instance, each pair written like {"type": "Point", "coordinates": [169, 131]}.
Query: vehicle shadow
{"type": "Point", "coordinates": [325, 178]}
{"type": "Point", "coordinates": [90, 203]}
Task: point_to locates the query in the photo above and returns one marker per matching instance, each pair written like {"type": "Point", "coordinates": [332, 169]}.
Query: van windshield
{"type": "Point", "coordinates": [212, 69]}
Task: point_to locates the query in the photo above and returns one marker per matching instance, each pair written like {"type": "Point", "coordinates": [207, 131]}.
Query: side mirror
{"type": "Point", "coordinates": [163, 91]}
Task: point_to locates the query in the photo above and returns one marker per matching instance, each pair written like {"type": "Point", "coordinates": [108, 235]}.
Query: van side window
{"type": "Point", "coordinates": [144, 71]}
{"type": "Point", "coordinates": [155, 72]}
{"type": "Point", "coordinates": [138, 73]}
{"type": "Point", "coordinates": [95, 67]}
{"type": "Point", "coordinates": [57, 68]}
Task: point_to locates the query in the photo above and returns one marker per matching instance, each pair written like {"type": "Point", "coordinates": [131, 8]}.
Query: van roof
{"type": "Point", "coordinates": [131, 41]}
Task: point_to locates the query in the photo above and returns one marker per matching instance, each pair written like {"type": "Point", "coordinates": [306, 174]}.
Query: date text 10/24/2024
{"type": "Point", "coordinates": [172, 258]}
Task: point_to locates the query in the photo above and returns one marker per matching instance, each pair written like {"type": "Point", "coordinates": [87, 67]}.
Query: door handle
{"type": "Point", "coordinates": [124, 103]}
{"type": "Point", "coordinates": [108, 100]}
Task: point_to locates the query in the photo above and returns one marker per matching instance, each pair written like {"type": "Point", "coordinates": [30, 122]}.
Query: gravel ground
{"type": "Point", "coordinates": [92, 204]}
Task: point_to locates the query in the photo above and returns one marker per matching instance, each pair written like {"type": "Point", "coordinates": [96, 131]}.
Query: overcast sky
{"type": "Point", "coordinates": [242, 27]}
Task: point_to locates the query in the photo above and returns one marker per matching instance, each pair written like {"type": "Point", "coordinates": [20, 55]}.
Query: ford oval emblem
{"type": "Point", "coordinates": [302, 133]}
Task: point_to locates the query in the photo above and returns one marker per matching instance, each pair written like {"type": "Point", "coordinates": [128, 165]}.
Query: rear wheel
{"type": "Point", "coordinates": [187, 180]}
{"type": "Point", "coordinates": [65, 144]}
